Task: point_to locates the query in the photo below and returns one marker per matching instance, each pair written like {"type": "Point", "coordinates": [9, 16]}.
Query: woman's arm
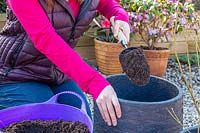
{"type": "Point", "coordinates": [47, 41]}
{"type": "Point", "coordinates": [111, 8]}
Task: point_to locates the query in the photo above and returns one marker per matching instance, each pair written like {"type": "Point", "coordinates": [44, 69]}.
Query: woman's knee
{"type": "Point", "coordinates": [23, 93]}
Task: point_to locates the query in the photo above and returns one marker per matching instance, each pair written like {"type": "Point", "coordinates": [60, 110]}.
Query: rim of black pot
{"type": "Point", "coordinates": [180, 92]}
{"type": "Point", "coordinates": [189, 129]}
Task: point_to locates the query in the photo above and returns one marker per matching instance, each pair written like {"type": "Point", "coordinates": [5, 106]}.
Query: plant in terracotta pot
{"type": "Point", "coordinates": [107, 48]}
{"type": "Point", "coordinates": [152, 22]}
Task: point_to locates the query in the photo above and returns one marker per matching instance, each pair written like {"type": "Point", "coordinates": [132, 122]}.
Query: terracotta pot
{"type": "Point", "coordinates": [157, 60]}
{"type": "Point", "coordinates": [107, 57]}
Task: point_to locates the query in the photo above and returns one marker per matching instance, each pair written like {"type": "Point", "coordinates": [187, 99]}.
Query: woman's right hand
{"type": "Point", "coordinates": [109, 106]}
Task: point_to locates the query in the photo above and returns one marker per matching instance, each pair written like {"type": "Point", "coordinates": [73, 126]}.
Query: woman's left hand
{"type": "Point", "coordinates": [109, 106]}
{"type": "Point", "coordinates": [123, 26]}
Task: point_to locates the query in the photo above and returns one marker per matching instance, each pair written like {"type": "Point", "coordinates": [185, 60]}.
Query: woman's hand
{"type": "Point", "coordinates": [123, 26]}
{"type": "Point", "coordinates": [109, 106]}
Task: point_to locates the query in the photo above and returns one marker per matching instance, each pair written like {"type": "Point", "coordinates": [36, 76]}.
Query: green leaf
{"type": "Point", "coordinates": [179, 28]}
{"type": "Point", "coordinates": [150, 17]}
{"type": "Point", "coordinates": [170, 9]}
{"type": "Point", "coordinates": [133, 6]}
{"type": "Point", "coordinates": [145, 7]}
{"type": "Point", "coordinates": [156, 12]}
{"type": "Point", "coordinates": [190, 10]}
{"type": "Point", "coordinates": [95, 33]}
{"type": "Point", "coordinates": [89, 63]}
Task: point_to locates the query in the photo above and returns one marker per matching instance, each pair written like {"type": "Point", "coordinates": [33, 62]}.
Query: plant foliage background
{"type": "Point", "coordinates": [2, 6]}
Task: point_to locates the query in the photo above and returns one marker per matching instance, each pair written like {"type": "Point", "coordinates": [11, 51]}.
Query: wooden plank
{"type": "Point", "coordinates": [85, 41]}
{"type": "Point", "coordinates": [185, 36]}
{"type": "Point", "coordinates": [3, 17]}
{"type": "Point", "coordinates": [183, 39]}
{"type": "Point", "coordinates": [1, 24]}
{"type": "Point", "coordinates": [86, 52]}
{"type": "Point", "coordinates": [181, 46]}
{"type": "Point", "coordinates": [93, 61]}
{"type": "Point", "coordinates": [85, 48]}
{"type": "Point", "coordinates": [2, 20]}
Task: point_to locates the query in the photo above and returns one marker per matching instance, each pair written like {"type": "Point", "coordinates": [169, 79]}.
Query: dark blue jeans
{"type": "Point", "coordinates": [35, 92]}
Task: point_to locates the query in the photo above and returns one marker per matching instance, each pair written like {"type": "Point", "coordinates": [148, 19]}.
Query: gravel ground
{"type": "Point", "coordinates": [190, 117]}
{"type": "Point", "coordinates": [91, 102]}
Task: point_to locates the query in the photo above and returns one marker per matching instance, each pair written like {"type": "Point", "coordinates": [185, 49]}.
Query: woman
{"type": "Point", "coordinates": [36, 56]}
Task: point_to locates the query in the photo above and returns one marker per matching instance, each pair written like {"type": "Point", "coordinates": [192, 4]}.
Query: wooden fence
{"type": "Point", "coordinates": [85, 46]}
{"type": "Point", "coordinates": [183, 40]}
{"type": "Point", "coordinates": [2, 20]}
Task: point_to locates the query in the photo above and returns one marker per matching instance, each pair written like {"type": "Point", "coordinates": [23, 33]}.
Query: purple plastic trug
{"type": "Point", "coordinates": [49, 110]}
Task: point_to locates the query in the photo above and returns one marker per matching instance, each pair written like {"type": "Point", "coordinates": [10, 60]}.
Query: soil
{"type": "Point", "coordinates": [135, 66]}
{"type": "Point", "coordinates": [154, 48]}
{"type": "Point", "coordinates": [52, 126]}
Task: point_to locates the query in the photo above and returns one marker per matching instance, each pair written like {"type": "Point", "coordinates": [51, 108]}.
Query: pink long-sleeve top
{"type": "Point", "coordinates": [47, 41]}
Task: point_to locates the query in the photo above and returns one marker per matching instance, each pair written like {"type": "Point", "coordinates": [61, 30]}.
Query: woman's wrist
{"type": "Point", "coordinates": [97, 88]}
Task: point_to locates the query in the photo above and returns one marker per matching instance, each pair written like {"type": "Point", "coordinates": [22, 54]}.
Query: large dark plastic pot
{"type": "Point", "coordinates": [144, 108]}
{"type": "Point", "coordinates": [191, 130]}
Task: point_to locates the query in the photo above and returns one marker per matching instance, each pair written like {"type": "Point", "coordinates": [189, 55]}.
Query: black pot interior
{"type": "Point", "coordinates": [157, 90]}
